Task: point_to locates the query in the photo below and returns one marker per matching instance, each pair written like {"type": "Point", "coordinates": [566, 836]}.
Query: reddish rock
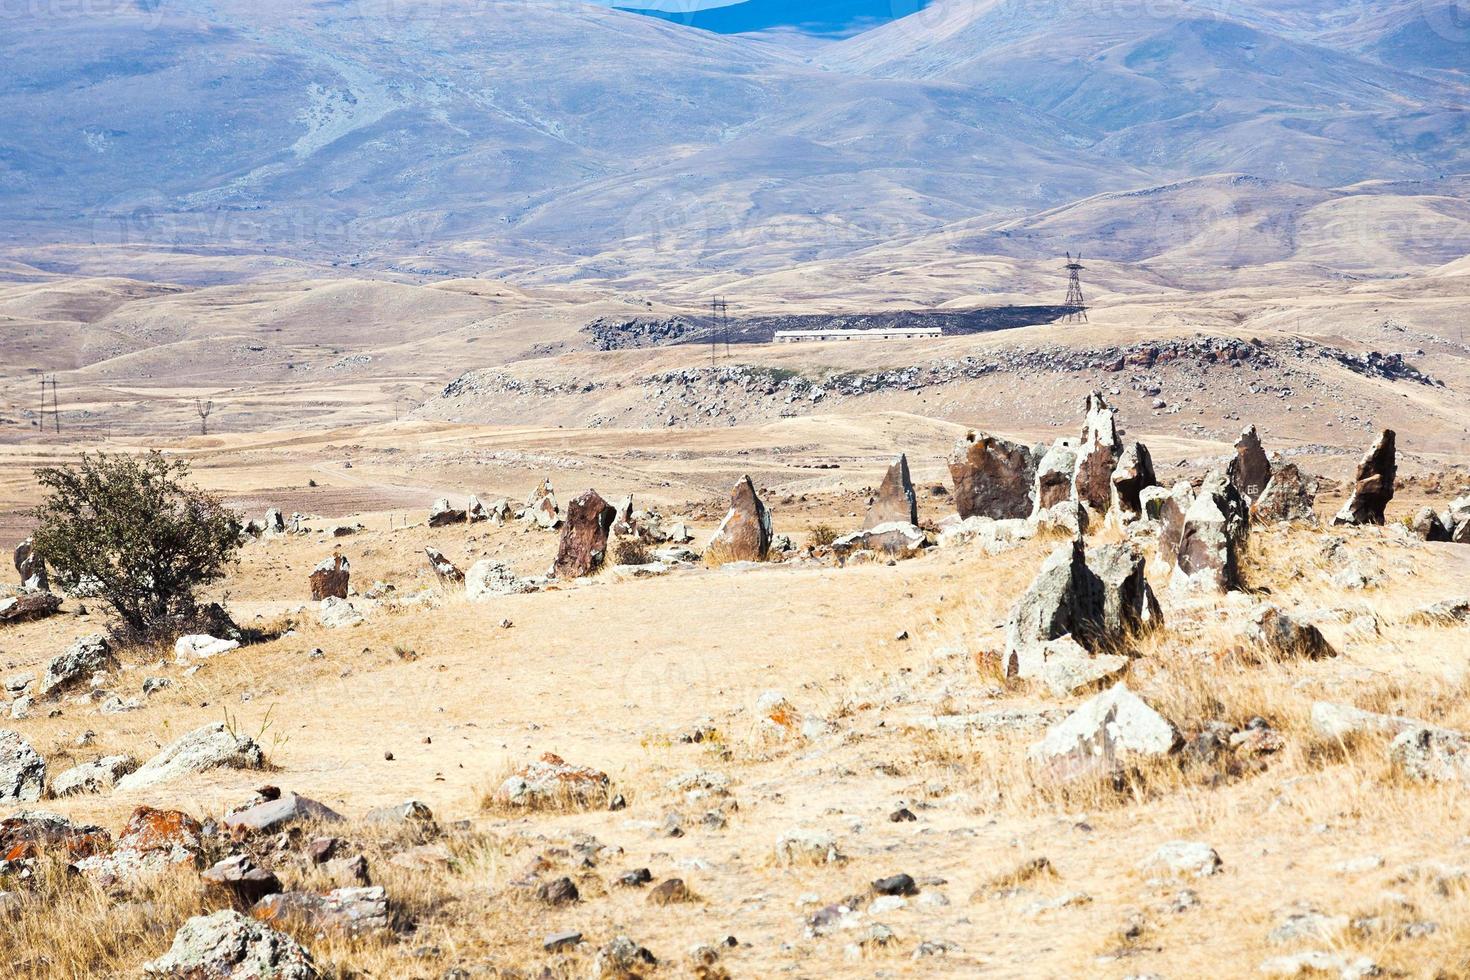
{"type": "Point", "coordinates": [330, 579]}
{"type": "Point", "coordinates": [745, 533]}
{"type": "Point", "coordinates": [240, 881]}
{"type": "Point", "coordinates": [1374, 484]}
{"type": "Point", "coordinates": [152, 842]}
{"type": "Point", "coordinates": [27, 835]}
{"type": "Point", "coordinates": [584, 536]}
{"type": "Point", "coordinates": [992, 477]}
{"type": "Point", "coordinates": [346, 911]}
{"type": "Point", "coordinates": [1054, 475]}
{"type": "Point", "coordinates": [31, 567]}
{"type": "Point", "coordinates": [1250, 471]}
{"type": "Point", "coordinates": [1290, 496]}
{"type": "Point", "coordinates": [1133, 475]}
{"type": "Point", "coordinates": [27, 606]}
{"type": "Point", "coordinates": [552, 781]}
{"type": "Point", "coordinates": [896, 502]}
{"type": "Point", "coordinates": [1097, 456]}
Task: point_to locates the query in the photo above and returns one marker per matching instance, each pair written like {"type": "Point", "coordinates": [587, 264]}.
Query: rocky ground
{"type": "Point", "coordinates": [836, 761]}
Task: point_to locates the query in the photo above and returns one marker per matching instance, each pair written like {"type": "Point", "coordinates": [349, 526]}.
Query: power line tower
{"type": "Point", "coordinates": [719, 327]}
{"type": "Point", "coordinates": [1075, 304]}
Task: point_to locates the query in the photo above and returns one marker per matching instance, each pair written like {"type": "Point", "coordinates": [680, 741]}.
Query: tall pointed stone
{"type": "Point", "coordinates": [330, 579]}
{"type": "Point", "coordinates": [1133, 475]}
{"type": "Point", "coordinates": [896, 502]}
{"type": "Point", "coordinates": [1098, 455]}
{"type": "Point", "coordinates": [1374, 484]}
{"type": "Point", "coordinates": [1290, 496]}
{"type": "Point", "coordinates": [745, 533]}
{"type": "Point", "coordinates": [584, 533]}
{"type": "Point", "coordinates": [993, 477]}
{"type": "Point", "coordinates": [1214, 533]}
{"type": "Point", "coordinates": [1054, 475]}
{"type": "Point", "coordinates": [1250, 471]}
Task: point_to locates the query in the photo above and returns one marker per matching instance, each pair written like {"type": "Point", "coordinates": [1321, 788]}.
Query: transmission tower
{"type": "Point", "coordinates": [1075, 304]}
{"type": "Point", "coordinates": [719, 327]}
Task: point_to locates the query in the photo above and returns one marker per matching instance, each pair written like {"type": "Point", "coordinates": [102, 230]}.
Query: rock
{"type": "Point", "coordinates": [1250, 471]}
{"type": "Point", "coordinates": [28, 834]}
{"type": "Point", "coordinates": [1342, 720]}
{"type": "Point", "coordinates": [239, 880]}
{"type": "Point", "coordinates": [1283, 637]}
{"type": "Point", "coordinates": [445, 569]}
{"type": "Point", "coordinates": [552, 782]}
{"type": "Point", "coordinates": [286, 809]}
{"type": "Point", "coordinates": [1428, 526]}
{"type": "Point", "coordinates": [624, 523]}
{"type": "Point", "coordinates": [1133, 475]}
{"type": "Point", "coordinates": [1067, 668]}
{"type": "Point", "coordinates": [1291, 496]}
{"type": "Point", "coordinates": [347, 872]}
{"type": "Point", "coordinates": [1435, 755]}
{"type": "Point", "coordinates": [228, 946]}
{"type": "Point", "coordinates": [1183, 858]}
{"type": "Point", "coordinates": [1172, 512]}
{"type": "Point", "coordinates": [351, 911]}
{"type": "Point", "coordinates": [558, 891]}
{"type": "Point", "coordinates": [1307, 924]}
{"type": "Point", "coordinates": [28, 606]}
{"type": "Point", "coordinates": [1068, 516]}
{"type": "Point", "coordinates": [896, 502]}
{"type": "Point", "coordinates": [900, 884]}
{"type": "Point", "coordinates": [488, 579]}
{"type": "Point", "coordinates": [211, 747]}
{"type": "Point", "coordinates": [1064, 599]}
{"type": "Point", "coordinates": [329, 580]}
{"type": "Point", "coordinates": [76, 664]}
{"type": "Point", "coordinates": [1097, 455]}
{"type": "Point", "coordinates": [541, 507]}
{"type": "Point", "coordinates": [584, 534]}
{"type": "Point", "coordinates": [335, 613]}
{"type": "Point", "coordinates": [152, 842]}
{"type": "Point", "coordinates": [993, 477]}
{"type": "Point", "coordinates": [407, 812]}
{"type": "Point", "coordinates": [558, 941]}
{"type": "Point", "coordinates": [1373, 484]}
{"type": "Point", "coordinates": [1151, 500]}
{"type": "Point", "coordinates": [442, 515]}
{"type": "Point", "coordinates": [1129, 606]}
{"type": "Point", "coordinates": [1317, 963]}
{"type": "Point", "coordinates": [800, 847]}
{"type": "Point", "coordinates": [1447, 612]}
{"type": "Point", "coordinates": [672, 891]}
{"type": "Point", "coordinates": [22, 770]}
{"type": "Point", "coordinates": [1214, 531]}
{"type": "Point", "coordinates": [894, 540]}
{"type": "Point", "coordinates": [93, 777]}
{"type": "Point", "coordinates": [31, 567]}
{"type": "Point", "coordinates": [1104, 733]}
{"type": "Point", "coordinates": [475, 511]}
{"type": "Point", "coordinates": [1054, 475]}
{"type": "Point", "coordinates": [275, 523]}
{"type": "Point", "coordinates": [745, 533]}
{"type": "Point", "coordinates": [201, 646]}
{"type": "Point", "coordinates": [622, 959]}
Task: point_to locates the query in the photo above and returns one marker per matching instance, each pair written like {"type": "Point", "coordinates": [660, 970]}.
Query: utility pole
{"type": "Point", "coordinates": [719, 326]}
{"type": "Point", "coordinates": [1076, 305]}
{"type": "Point", "coordinates": [204, 409]}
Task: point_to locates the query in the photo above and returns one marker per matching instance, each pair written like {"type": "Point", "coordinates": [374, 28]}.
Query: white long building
{"type": "Point", "coordinates": [895, 333]}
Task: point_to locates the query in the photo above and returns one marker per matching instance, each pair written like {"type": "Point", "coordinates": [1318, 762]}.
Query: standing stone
{"type": "Point", "coordinates": [1098, 455]}
{"type": "Point", "coordinates": [474, 510]}
{"type": "Point", "coordinates": [1429, 526]}
{"type": "Point", "coordinates": [1209, 544]}
{"type": "Point", "coordinates": [1250, 471]}
{"type": "Point", "coordinates": [584, 535]}
{"type": "Point", "coordinates": [1064, 599]}
{"type": "Point", "coordinates": [1290, 496]}
{"type": "Point", "coordinates": [745, 533]}
{"type": "Point", "coordinates": [1171, 519]}
{"type": "Point", "coordinates": [993, 477]}
{"type": "Point", "coordinates": [1054, 475]}
{"type": "Point", "coordinates": [623, 523]}
{"type": "Point", "coordinates": [1374, 484]}
{"type": "Point", "coordinates": [275, 523]}
{"type": "Point", "coordinates": [22, 770]}
{"type": "Point", "coordinates": [329, 580]}
{"type": "Point", "coordinates": [1133, 475]}
{"type": "Point", "coordinates": [443, 567]}
{"type": "Point", "coordinates": [541, 506]}
{"type": "Point", "coordinates": [896, 503]}
{"type": "Point", "coordinates": [31, 567]}
{"type": "Point", "coordinates": [441, 514]}
{"type": "Point", "coordinates": [1129, 605]}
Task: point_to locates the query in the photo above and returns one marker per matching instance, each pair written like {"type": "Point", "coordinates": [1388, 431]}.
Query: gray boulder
{"type": "Point", "coordinates": [1343, 720]}
{"type": "Point", "coordinates": [1104, 733]}
{"type": "Point", "coordinates": [445, 569]}
{"type": "Point", "coordinates": [286, 809]}
{"type": "Point", "coordinates": [896, 502]}
{"type": "Point", "coordinates": [1430, 754]}
{"type": "Point", "coordinates": [442, 514]}
{"type": "Point", "coordinates": [1133, 475]}
{"type": "Point", "coordinates": [1172, 510]}
{"type": "Point", "coordinates": [93, 777]}
{"type": "Point", "coordinates": [347, 911]}
{"type": "Point", "coordinates": [1208, 555]}
{"type": "Point", "coordinates": [1129, 605]}
{"type": "Point", "coordinates": [22, 770]}
{"type": "Point", "coordinates": [211, 747]}
{"type": "Point", "coordinates": [1284, 637]}
{"type": "Point", "coordinates": [1429, 526]}
{"type": "Point", "coordinates": [897, 540]}
{"type": "Point", "coordinates": [1054, 475]}
{"type": "Point", "coordinates": [1064, 599]}
{"type": "Point", "coordinates": [231, 946]}
{"type": "Point", "coordinates": [31, 567]}
{"type": "Point", "coordinates": [1291, 496]}
{"type": "Point", "coordinates": [76, 664]}
{"type": "Point", "coordinates": [487, 579]}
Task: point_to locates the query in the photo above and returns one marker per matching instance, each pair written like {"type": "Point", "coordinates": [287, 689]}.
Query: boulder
{"type": "Point", "coordinates": [1097, 455]}
{"type": "Point", "coordinates": [445, 569]}
{"type": "Point", "coordinates": [1272, 630]}
{"type": "Point", "coordinates": [623, 521]}
{"type": "Point", "coordinates": [1193, 859]}
{"type": "Point", "coordinates": [1054, 474]}
{"type": "Point", "coordinates": [28, 606]}
{"type": "Point", "coordinates": [1430, 754]}
{"type": "Point", "coordinates": [274, 522]}
{"type": "Point", "coordinates": [1104, 733]}
{"type": "Point", "coordinates": [500, 511]}
{"type": "Point", "coordinates": [584, 534]}
{"type": "Point", "coordinates": [541, 507]}
{"type": "Point", "coordinates": [1067, 668]}
{"type": "Point", "coordinates": [487, 579]}
{"type": "Point", "coordinates": [993, 477]}
{"type": "Point", "coordinates": [93, 777]}
{"type": "Point", "coordinates": [211, 747]}
{"type": "Point", "coordinates": [895, 540]}
{"type": "Point", "coordinates": [802, 847]}
{"type": "Point", "coordinates": [284, 810]}
{"type": "Point", "coordinates": [201, 646]}
{"type": "Point", "coordinates": [1064, 599]}
{"type": "Point", "coordinates": [240, 881]}
{"type": "Point", "coordinates": [1250, 471]}
{"type": "Point", "coordinates": [1290, 496]}
{"type": "Point", "coordinates": [31, 567]}
{"type": "Point", "coordinates": [407, 812]}
{"type": "Point", "coordinates": [29, 833]}
{"type": "Point", "coordinates": [1373, 484]}
{"type": "Point", "coordinates": [76, 664]}
{"type": "Point", "coordinates": [896, 502]}
{"type": "Point", "coordinates": [1342, 720]}
{"type": "Point", "coordinates": [1129, 606]}
{"type": "Point", "coordinates": [745, 533]}
{"type": "Point", "coordinates": [22, 770]}
{"type": "Point", "coordinates": [1067, 516]}
{"type": "Point", "coordinates": [335, 613]}
{"type": "Point", "coordinates": [442, 514]}
{"type": "Point", "coordinates": [551, 782]}
{"type": "Point", "coordinates": [1172, 511]}
{"type": "Point", "coordinates": [153, 842]}
{"type": "Point", "coordinates": [346, 911]}
{"type": "Point", "coordinates": [228, 946]}
{"type": "Point", "coordinates": [1133, 475]}
{"type": "Point", "coordinates": [1214, 531]}
{"type": "Point", "coordinates": [330, 579]}
{"type": "Point", "coordinates": [475, 511]}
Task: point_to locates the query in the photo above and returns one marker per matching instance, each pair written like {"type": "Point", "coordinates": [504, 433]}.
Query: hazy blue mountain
{"type": "Point", "coordinates": [823, 18]}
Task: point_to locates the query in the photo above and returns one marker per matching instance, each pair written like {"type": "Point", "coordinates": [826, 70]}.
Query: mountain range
{"type": "Point", "coordinates": [545, 139]}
